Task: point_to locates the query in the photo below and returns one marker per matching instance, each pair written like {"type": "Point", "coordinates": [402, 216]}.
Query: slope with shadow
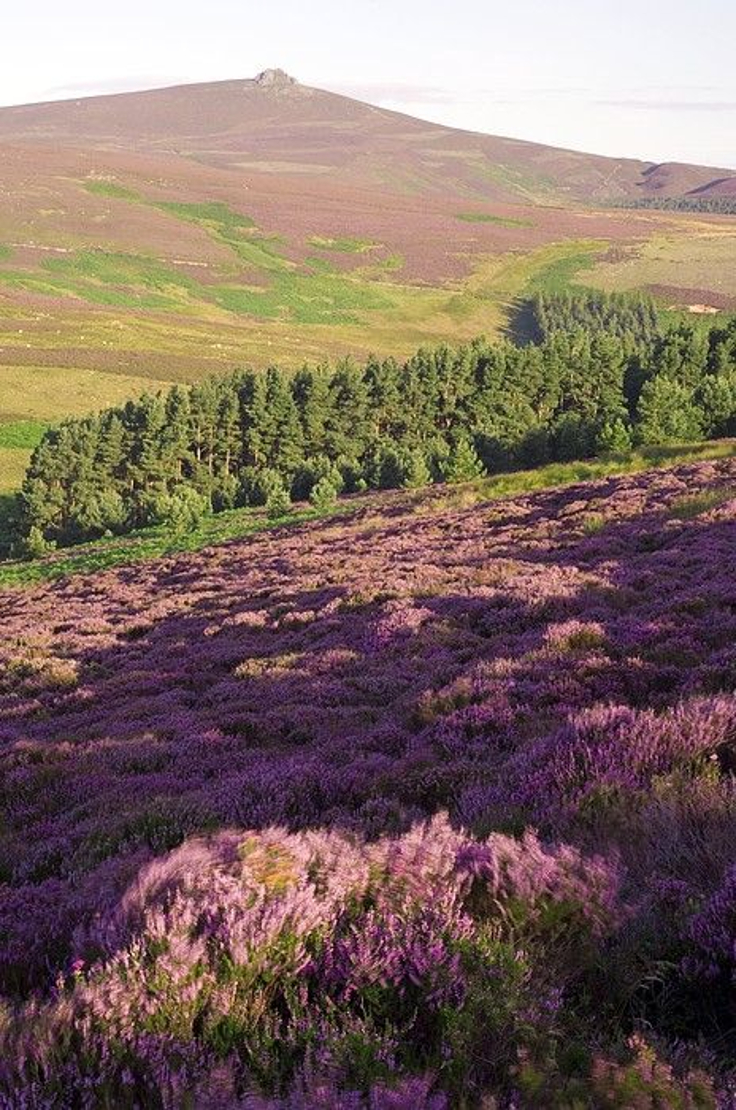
{"type": "Point", "coordinates": [562, 662]}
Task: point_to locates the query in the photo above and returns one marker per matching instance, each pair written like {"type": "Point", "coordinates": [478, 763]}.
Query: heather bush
{"type": "Point", "coordinates": [281, 953]}
{"type": "Point", "coordinates": [641, 1080]}
{"type": "Point", "coordinates": [712, 932]}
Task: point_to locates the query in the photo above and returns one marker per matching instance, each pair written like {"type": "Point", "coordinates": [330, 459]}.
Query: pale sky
{"type": "Point", "coordinates": [653, 79]}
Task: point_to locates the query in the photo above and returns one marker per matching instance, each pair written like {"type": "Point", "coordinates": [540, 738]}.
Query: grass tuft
{"type": "Point", "coordinates": [488, 218]}
{"type": "Point", "coordinates": [110, 189]}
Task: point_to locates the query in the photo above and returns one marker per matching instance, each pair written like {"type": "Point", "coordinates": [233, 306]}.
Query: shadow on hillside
{"type": "Point", "coordinates": [522, 328]}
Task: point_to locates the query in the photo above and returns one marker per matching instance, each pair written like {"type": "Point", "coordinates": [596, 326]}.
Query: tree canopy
{"type": "Point", "coordinates": [603, 373]}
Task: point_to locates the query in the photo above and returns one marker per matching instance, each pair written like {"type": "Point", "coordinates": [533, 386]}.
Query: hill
{"type": "Point", "coordinates": [200, 753]}
{"type": "Point", "coordinates": [157, 237]}
{"type": "Point", "coordinates": [272, 124]}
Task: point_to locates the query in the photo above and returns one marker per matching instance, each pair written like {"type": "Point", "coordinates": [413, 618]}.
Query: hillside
{"type": "Point", "coordinates": [158, 237]}
{"type": "Point", "coordinates": [273, 124]}
{"type": "Point", "coordinates": [562, 661]}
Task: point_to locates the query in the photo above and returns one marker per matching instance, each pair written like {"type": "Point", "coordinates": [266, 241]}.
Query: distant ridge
{"type": "Point", "coordinates": [272, 123]}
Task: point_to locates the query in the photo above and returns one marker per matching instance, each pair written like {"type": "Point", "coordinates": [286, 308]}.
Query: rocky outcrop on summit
{"type": "Point", "coordinates": [275, 79]}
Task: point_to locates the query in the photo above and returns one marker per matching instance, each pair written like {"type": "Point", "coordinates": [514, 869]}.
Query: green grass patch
{"type": "Point", "coordinates": [141, 282]}
{"type": "Point", "coordinates": [110, 189]}
{"type": "Point", "coordinates": [377, 269]}
{"type": "Point", "coordinates": [5, 252]}
{"type": "Point", "coordinates": [22, 435]}
{"type": "Point", "coordinates": [17, 441]}
{"type": "Point", "coordinates": [98, 277]}
{"type": "Point", "coordinates": [304, 298]}
{"type": "Point", "coordinates": [235, 230]}
{"type": "Point", "coordinates": [560, 273]}
{"type": "Point", "coordinates": [109, 278]}
{"type": "Point", "coordinates": [319, 265]}
{"type": "Point", "coordinates": [13, 465]}
{"type": "Point", "coordinates": [487, 218]}
{"type": "Point", "coordinates": [694, 505]}
{"type": "Point", "coordinates": [212, 212]}
{"type": "Point", "coordinates": [343, 244]}
{"type": "Point", "coordinates": [116, 268]}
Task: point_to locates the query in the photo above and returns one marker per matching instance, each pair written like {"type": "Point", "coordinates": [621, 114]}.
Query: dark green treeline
{"type": "Point", "coordinates": [723, 205]}
{"type": "Point", "coordinates": [602, 374]}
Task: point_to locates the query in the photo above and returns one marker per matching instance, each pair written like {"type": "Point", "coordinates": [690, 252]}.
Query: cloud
{"type": "Point", "coordinates": [659, 105]}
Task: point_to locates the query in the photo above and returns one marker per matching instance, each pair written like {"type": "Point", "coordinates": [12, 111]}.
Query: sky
{"type": "Point", "coordinates": [642, 78]}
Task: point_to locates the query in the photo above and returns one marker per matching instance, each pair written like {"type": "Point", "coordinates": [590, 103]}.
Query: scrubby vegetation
{"type": "Point", "coordinates": [159, 541]}
{"type": "Point", "coordinates": [605, 373]}
{"type": "Point", "coordinates": [709, 205]}
{"type": "Point", "coordinates": [428, 807]}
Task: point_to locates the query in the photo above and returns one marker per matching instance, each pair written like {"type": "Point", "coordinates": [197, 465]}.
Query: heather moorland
{"type": "Point", "coordinates": [367, 559]}
{"type": "Point", "coordinates": [428, 806]}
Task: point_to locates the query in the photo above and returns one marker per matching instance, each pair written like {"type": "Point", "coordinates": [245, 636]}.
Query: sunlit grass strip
{"type": "Point", "coordinates": [488, 218]}
{"type": "Point", "coordinates": [343, 244]}
{"type": "Point", "coordinates": [22, 434]}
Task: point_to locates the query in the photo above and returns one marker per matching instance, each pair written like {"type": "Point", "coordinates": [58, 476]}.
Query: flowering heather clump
{"type": "Point", "coordinates": [223, 877]}
{"type": "Point", "coordinates": [523, 872]}
{"type": "Point", "coordinates": [640, 1081]}
{"type": "Point", "coordinates": [713, 932]}
{"type": "Point", "coordinates": [298, 958]}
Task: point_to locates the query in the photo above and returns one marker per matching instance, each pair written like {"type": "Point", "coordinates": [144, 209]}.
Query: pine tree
{"type": "Point", "coordinates": [383, 387]}
{"type": "Point", "coordinates": [254, 419]}
{"type": "Point", "coordinates": [348, 420]}
{"type": "Point", "coordinates": [463, 463]}
{"type": "Point", "coordinates": [614, 437]}
{"type": "Point", "coordinates": [283, 439]}
{"type": "Point", "coordinates": [667, 413]}
{"type": "Point", "coordinates": [311, 392]}
{"type": "Point", "coordinates": [716, 400]}
{"type": "Point", "coordinates": [177, 435]}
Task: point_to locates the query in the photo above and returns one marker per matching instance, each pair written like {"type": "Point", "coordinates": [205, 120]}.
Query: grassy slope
{"type": "Point", "coordinates": [155, 543]}
{"type": "Point", "coordinates": [169, 325]}
{"type": "Point", "coordinates": [100, 316]}
{"type": "Point", "coordinates": [17, 441]}
{"type": "Point", "coordinates": [704, 259]}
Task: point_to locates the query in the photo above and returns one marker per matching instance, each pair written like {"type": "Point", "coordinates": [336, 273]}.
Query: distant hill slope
{"type": "Point", "coordinates": [274, 124]}
{"type": "Point", "coordinates": [159, 236]}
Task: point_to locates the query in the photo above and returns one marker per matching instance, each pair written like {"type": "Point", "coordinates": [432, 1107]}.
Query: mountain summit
{"type": "Point", "coordinates": [275, 79]}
